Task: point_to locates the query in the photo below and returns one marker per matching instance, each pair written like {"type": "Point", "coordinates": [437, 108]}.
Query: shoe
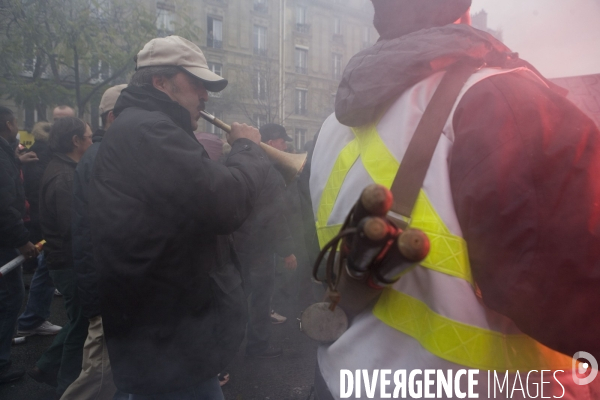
{"type": "Point", "coordinates": [10, 375]}
{"type": "Point", "coordinates": [57, 293]}
{"type": "Point", "coordinates": [270, 352]}
{"type": "Point", "coordinates": [276, 318]}
{"type": "Point", "coordinates": [45, 329]}
{"type": "Point", "coordinates": [43, 377]}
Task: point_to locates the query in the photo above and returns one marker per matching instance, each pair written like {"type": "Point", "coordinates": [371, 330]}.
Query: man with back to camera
{"type": "Point", "coordinates": [509, 199]}
{"type": "Point", "coordinates": [172, 320]}
{"type": "Point", "coordinates": [14, 240]}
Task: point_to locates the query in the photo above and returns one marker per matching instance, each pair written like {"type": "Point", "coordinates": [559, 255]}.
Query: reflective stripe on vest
{"type": "Point", "coordinates": [451, 340]}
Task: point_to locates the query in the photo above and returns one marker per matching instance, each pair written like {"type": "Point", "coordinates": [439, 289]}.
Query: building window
{"type": "Point", "coordinates": [337, 65]}
{"type": "Point", "coordinates": [213, 129]}
{"type": "Point", "coordinates": [299, 139]}
{"type": "Point", "coordinates": [259, 120]}
{"type": "Point", "coordinates": [99, 71]}
{"type": "Point", "coordinates": [301, 101]}
{"type": "Point", "coordinates": [260, 85]}
{"type": "Point", "coordinates": [216, 68]}
{"type": "Point", "coordinates": [165, 19]}
{"type": "Point", "coordinates": [260, 6]}
{"type": "Point", "coordinates": [260, 40]}
{"type": "Point", "coordinates": [301, 25]}
{"type": "Point", "coordinates": [214, 37]}
{"type": "Point", "coordinates": [301, 55]}
{"type": "Point", "coordinates": [337, 26]}
{"type": "Point", "coordinates": [366, 37]}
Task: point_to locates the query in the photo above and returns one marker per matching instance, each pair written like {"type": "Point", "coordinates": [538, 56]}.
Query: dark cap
{"type": "Point", "coordinates": [272, 132]}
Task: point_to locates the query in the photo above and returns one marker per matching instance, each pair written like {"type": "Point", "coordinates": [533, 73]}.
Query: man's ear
{"type": "Point", "coordinates": [75, 141]}
{"type": "Point", "coordinates": [159, 82]}
{"type": "Point", "coordinates": [110, 117]}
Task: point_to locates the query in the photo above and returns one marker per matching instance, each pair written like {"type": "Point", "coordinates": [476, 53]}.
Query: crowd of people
{"type": "Point", "coordinates": [165, 247]}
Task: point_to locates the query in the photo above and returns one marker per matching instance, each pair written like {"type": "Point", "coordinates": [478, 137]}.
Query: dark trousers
{"type": "Point", "coordinates": [11, 299]}
{"type": "Point", "coordinates": [65, 355]}
{"type": "Point", "coordinates": [259, 274]}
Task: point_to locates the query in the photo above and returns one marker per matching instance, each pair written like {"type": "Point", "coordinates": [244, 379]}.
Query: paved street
{"type": "Point", "coordinates": [289, 377]}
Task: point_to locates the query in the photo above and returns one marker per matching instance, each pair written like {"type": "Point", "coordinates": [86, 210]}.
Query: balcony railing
{"type": "Point", "coordinates": [302, 28]}
{"type": "Point", "coordinates": [338, 37]}
{"type": "Point", "coordinates": [301, 111]}
{"type": "Point", "coordinates": [214, 43]}
{"type": "Point", "coordinates": [262, 52]}
{"type": "Point", "coordinates": [301, 70]}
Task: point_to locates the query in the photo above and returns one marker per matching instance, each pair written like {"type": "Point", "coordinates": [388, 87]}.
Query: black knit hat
{"type": "Point", "coordinates": [395, 18]}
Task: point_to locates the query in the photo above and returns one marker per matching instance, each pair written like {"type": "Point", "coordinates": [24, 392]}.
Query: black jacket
{"type": "Point", "coordinates": [32, 179]}
{"type": "Point", "coordinates": [157, 203]}
{"type": "Point", "coordinates": [83, 256]}
{"type": "Point", "coordinates": [56, 199]}
{"type": "Point", "coordinates": [266, 230]}
{"type": "Point", "coordinates": [13, 233]}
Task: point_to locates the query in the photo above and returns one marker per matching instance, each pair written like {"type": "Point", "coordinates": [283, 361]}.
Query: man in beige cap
{"type": "Point", "coordinates": [173, 308]}
{"type": "Point", "coordinates": [95, 380]}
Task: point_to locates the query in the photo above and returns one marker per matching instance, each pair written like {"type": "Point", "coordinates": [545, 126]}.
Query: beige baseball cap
{"type": "Point", "coordinates": [180, 52]}
{"type": "Point", "coordinates": [109, 98]}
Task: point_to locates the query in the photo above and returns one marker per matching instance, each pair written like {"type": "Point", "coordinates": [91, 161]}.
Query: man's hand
{"type": "Point", "coordinates": [28, 250]}
{"type": "Point", "coordinates": [239, 131]}
{"type": "Point", "coordinates": [290, 262]}
{"type": "Point", "coordinates": [28, 157]}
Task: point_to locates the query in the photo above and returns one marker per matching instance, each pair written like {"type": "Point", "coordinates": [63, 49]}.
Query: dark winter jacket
{"type": "Point", "coordinates": [13, 233]}
{"type": "Point", "coordinates": [56, 199]}
{"type": "Point", "coordinates": [171, 318]}
{"type": "Point", "coordinates": [522, 174]}
{"type": "Point", "coordinates": [32, 179]}
{"type": "Point", "coordinates": [83, 255]}
{"type": "Point", "coordinates": [266, 230]}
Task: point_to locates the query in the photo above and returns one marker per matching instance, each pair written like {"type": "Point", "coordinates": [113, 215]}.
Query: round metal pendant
{"type": "Point", "coordinates": [323, 325]}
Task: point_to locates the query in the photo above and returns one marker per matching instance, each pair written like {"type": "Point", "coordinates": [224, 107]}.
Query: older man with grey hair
{"type": "Point", "coordinates": [172, 304]}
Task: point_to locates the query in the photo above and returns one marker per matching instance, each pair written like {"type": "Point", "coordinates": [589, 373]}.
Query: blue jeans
{"type": "Point", "coordinates": [207, 390]}
{"type": "Point", "coordinates": [41, 293]}
{"type": "Point", "coordinates": [12, 293]}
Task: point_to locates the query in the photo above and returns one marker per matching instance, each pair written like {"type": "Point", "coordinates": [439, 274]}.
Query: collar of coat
{"type": "Point", "coordinates": [152, 99]}
{"type": "Point", "coordinates": [378, 75]}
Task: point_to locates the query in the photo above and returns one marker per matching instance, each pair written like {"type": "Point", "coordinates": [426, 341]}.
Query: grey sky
{"type": "Point", "coordinates": [559, 37]}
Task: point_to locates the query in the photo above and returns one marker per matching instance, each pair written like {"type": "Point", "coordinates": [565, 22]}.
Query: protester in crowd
{"type": "Point", "coordinates": [263, 236]}
{"type": "Point", "coordinates": [509, 202]}
{"type": "Point", "coordinates": [62, 111]}
{"type": "Point", "coordinates": [95, 380]}
{"type": "Point", "coordinates": [14, 239]}
{"type": "Point", "coordinates": [34, 320]}
{"type": "Point", "coordinates": [69, 139]}
{"type": "Point", "coordinates": [172, 303]}
{"type": "Point", "coordinates": [294, 285]}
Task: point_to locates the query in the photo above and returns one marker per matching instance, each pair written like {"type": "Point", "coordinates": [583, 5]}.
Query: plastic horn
{"type": "Point", "coordinates": [6, 268]}
{"type": "Point", "coordinates": [289, 165]}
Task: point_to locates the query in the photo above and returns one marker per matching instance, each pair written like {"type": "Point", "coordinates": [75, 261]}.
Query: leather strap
{"type": "Point", "coordinates": [413, 168]}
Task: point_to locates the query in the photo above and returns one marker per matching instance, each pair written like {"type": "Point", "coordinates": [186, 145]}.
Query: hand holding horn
{"type": "Point", "coordinates": [289, 165]}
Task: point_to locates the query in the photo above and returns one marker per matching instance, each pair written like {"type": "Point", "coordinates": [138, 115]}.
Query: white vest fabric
{"type": "Point", "coordinates": [370, 344]}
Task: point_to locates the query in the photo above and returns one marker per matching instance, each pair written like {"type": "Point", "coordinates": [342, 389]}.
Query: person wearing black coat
{"type": "Point", "coordinates": [13, 236]}
{"type": "Point", "coordinates": [69, 139]}
{"type": "Point", "coordinates": [95, 380]}
{"type": "Point", "coordinates": [34, 320]}
{"type": "Point", "coordinates": [172, 304]}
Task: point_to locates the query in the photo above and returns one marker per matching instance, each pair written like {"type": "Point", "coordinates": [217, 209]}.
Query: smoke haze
{"type": "Point", "coordinates": [559, 37]}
